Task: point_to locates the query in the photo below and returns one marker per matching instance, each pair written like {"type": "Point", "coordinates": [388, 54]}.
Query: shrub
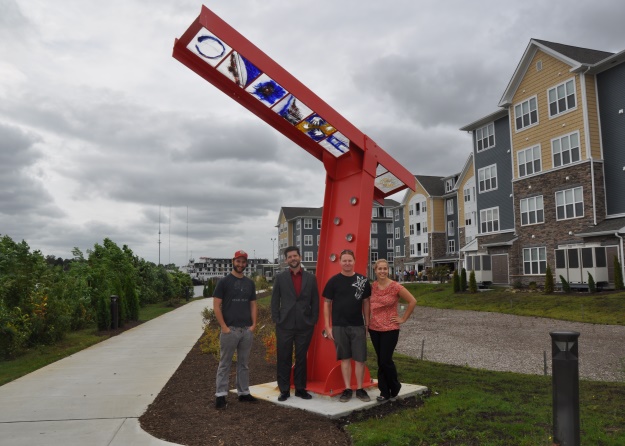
{"type": "Point", "coordinates": [463, 280]}
{"type": "Point", "coordinates": [472, 283]}
{"type": "Point", "coordinates": [565, 285]}
{"type": "Point", "coordinates": [548, 281]}
{"type": "Point", "coordinates": [517, 285]}
{"type": "Point", "coordinates": [456, 282]}
{"type": "Point", "coordinates": [209, 342]}
{"type": "Point", "coordinates": [618, 275]}
{"type": "Point", "coordinates": [592, 287]}
{"type": "Point", "coordinates": [532, 286]}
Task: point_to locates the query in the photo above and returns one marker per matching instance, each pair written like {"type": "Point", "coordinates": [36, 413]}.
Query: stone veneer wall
{"type": "Point", "coordinates": [555, 232]}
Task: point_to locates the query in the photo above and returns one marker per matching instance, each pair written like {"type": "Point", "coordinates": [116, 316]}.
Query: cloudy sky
{"type": "Point", "coordinates": [100, 127]}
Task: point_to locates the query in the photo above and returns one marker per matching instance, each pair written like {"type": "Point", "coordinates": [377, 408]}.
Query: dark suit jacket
{"type": "Point", "coordinates": [295, 312]}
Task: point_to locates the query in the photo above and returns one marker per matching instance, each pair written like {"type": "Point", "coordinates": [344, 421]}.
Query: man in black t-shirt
{"type": "Point", "coordinates": [347, 301]}
{"type": "Point", "coordinates": [234, 304]}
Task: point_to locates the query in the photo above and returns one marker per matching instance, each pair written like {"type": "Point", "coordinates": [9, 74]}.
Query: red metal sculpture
{"type": "Point", "coordinates": [358, 171]}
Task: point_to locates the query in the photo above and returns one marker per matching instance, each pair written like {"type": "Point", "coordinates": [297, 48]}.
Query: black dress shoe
{"type": "Point", "coordinates": [283, 396]}
{"type": "Point", "coordinates": [303, 394]}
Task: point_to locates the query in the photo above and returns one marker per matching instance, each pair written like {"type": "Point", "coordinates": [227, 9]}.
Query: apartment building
{"type": "Point", "coordinates": [550, 169]}
{"type": "Point", "coordinates": [206, 268]}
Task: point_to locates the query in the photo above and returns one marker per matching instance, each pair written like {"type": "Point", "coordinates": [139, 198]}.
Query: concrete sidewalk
{"type": "Point", "coordinates": [96, 396]}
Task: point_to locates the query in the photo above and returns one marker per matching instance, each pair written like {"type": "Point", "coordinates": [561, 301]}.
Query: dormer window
{"type": "Point", "coordinates": [449, 185]}
{"type": "Point", "coordinates": [485, 137]}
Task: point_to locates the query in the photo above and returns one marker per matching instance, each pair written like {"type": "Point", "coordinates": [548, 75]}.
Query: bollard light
{"type": "Point", "coordinates": [565, 384]}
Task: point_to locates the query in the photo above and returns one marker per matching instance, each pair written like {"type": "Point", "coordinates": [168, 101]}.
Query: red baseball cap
{"type": "Point", "coordinates": [240, 253]}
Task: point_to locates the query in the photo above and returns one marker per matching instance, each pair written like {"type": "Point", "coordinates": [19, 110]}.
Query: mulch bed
{"type": "Point", "coordinates": [184, 412]}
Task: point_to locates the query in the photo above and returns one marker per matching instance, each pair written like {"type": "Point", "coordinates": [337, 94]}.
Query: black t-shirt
{"type": "Point", "coordinates": [347, 294]}
{"type": "Point", "coordinates": [236, 294]}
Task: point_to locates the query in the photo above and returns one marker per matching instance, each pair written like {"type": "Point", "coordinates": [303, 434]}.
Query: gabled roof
{"type": "Point", "coordinates": [485, 120]}
{"type": "Point", "coordinates": [579, 59]}
{"type": "Point", "coordinates": [292, 213]}
{"type": "Point", "coordinates": [434, 186]}
{"type": "Point", "coordinates": [505, 239]}
{"type": "Point", "coordinates": [465, 169]}
{"type": "Point", "coordinates": [388, 203]}
{"type": "Point", "coordinates": [606, 227]}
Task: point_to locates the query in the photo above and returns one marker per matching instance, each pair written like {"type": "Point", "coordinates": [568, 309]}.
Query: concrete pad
{"type": "Point", "coordinates": [328, 406]}
{"type": "Point", "coordinates": [60, 433]}
{"type": "Point", "coordinates": [131, 434]}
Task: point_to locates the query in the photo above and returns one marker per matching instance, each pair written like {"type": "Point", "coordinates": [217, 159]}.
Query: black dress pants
{"type": "Point", "coordinates": [384, 343]}
{"type": "Point", "coordinates": [286, 339]}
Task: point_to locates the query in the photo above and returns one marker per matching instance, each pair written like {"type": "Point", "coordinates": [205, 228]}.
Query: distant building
{"type": "Point", "coordinates": [209, 268]}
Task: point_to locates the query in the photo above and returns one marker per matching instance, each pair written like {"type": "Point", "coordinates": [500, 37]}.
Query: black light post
{"type": "Point", "coordinates": [565, 382]}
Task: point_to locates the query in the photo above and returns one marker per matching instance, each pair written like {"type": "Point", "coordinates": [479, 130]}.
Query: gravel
{"type": "Point", "coordinates": [504, 342]}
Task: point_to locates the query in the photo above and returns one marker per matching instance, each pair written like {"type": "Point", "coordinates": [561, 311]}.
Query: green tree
{"type": "Point", "coordinates": [592, 287]}
{"type": "Point", "coordinates": [463, 280]}
{"type": "Point", "coordinates": [548, 280]}
{"type": "Point", "coordinates": [456, 281]}
{"type": "Point", "coordinates": [472, 283]}
{"type": "Point", "coordinates": [565, 285]}
{"type": "Point", "coordinates": [618, 275]}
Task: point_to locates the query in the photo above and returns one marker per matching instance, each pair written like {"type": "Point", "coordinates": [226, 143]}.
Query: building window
{"type": "Point", "coordinates": [562, 98]}
{"type": "Point", "coordinates": [308, 256]}
{"type": "Point", "coordinates": [397, 233]}
{"type": "Point", "coordinates": [308, 223]}
{"type": "Point", "coordinates": [319, 223]}
{"type": "Point", "coordinates": [425, 248]}
{"type": "Point", "coordinates": [411, 249]}
{"type": "Point", "coordinates": [450, 207]}
{"type": "Point", "coordinates": [569, 203]}
{"type": "Point", "coordinates": [489, 220]}
{"type": "Point", "coordinates": [423, 207]}
{"type": "Point", "coordinates": [374, 243]}
{"type": "Point", "coordinates": [534, 260]}
{"type": "Point", "coordinates": [451, 230]}
{"type": "Point", "coordinates": [389, 228]}
{"type": "Point", "coordinates": [374, 212]}
{"type": "Point", "coordinates": [467, 195]}
{"type": "Point", "coordinates": [451, 246]}
{"type": "Point", "coordinates": [468, 218]}
{"type": "Point", "coordinates": [449, 185]}
{"type": "Point", "coordinates": [396, 214]}
{"type": "Point", "coordinates": [390, 257]}
{"type": "Point", "coordinates": [389, 213]}
{"type": "Point", "coordinates": [418, 228]}
{"type": "Point", "coordinates": [297, 225]}
{"type": "Point", "coordinates": [565, 149]}
{"type": "Point", "coordinates": [424, 229]}
{"type": "Point", "coordinates": [374, 228]}
{"type": "Point", "coordinates": [318, 240]}
{"type": "Point", "coordinates": [308, 240]}
{"type": "Point", "coordinates": [485, 137]}
{"type": "Point", "coordinates": [411, 229]}
{"type": "Point", "coordinates": [297, 240]}
{"type": "Point", "coordinates": [488, 178]}
{"type": "Point", "coordinates": [417, 209]}
{"type": "Point", "coordinates": [389, 243]}
{"type": "Point", "coordinates": [526, 113]}
{"type": "Point", "coordinates": [529, 161]}
{"type": "Point", "coordinates": [532, 211]}
{"type": "Point", "coordinates": [398, 250]}
{"type": "Point", "coordinates": [374, 256]}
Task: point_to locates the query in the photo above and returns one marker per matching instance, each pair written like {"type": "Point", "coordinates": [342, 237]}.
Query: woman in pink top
{"type": "Point", "coordinates": [384, 326]}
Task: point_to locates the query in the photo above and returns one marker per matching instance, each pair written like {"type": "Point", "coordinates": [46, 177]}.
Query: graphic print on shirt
{"type": "Point", "coordinates": [360, 286]}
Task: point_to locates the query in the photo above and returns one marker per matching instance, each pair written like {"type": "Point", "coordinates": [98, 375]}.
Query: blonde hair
{"type": "Point", "coordinates": [375, 265]}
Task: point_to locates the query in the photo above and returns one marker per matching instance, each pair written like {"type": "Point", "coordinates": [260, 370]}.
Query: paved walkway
{"type": "Point", "coordinates": [96, 396]}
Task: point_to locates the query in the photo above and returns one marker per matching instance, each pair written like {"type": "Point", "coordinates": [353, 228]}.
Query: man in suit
{"type": "Point", "coordinates": [295, 310]}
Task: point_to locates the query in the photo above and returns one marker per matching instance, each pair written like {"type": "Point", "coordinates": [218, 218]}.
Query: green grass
{"type": "Point", "coordinates": [478, 407]}
{"type": "Point", "coordinates": [40, 356]}
{"type": "Point", "coordinates": [599, 308]}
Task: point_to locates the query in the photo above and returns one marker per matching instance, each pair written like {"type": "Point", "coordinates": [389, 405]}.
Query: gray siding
{"type": "Point", "coordinates": [611, 88]}
{"type": "Point", "coordinates": [499, 155]}
{"type": "Point", "coordinates": [454, 217]}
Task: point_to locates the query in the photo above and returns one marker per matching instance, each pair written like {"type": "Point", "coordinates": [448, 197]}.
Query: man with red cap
{"type": "Point", "coordinates": [234, 304]}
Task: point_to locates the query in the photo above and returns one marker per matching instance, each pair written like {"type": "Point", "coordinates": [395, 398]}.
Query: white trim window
{"type": "Point", "coordinates": [318, 240]}
{"type": "Point", "coordinates": [308, 256]}
{"type": "Point", "coordinates": [318, 223]}
{"type": "Point", "coordinates": [451, 230]}
{"type": "Point", "coordinates": [565, 149]}
{"type": "Point", "coordinates": [411, 249]}
{"type": "Point", "coordinates": [532, 211]}
{"type": "Point", "coordinates": [562, 98]}
{"type": "Point", "coordinates": [468, 218]}
{"type": "Point", "coordinates": [308, 223]}
{"type": "Point", "coordinates": [398, 251]}
{"type": "Point", "coordinates": [488, 178]}
{"type": "Point", "coordinates": [308, 239]}
{"type": "Point", "coordinates": [534, 260]}
{"type": "Point", "coordinates": [412, 229]}
{"type": "Point", "coordinates": [374, 228]}
{"type": "Point", "coordinates": [451, 246]}
{"type": "Point", "coordinates": [389, 228]}
{"type": "Point", "coordinates": [374, 243]}
{"type": "Point", "coordinates": [489, 220]}
{"type": "Point", "coordinates": [374, 256]}
{"type": "Point", "coordinates": [389, 213]}
{"type": "Point", "coordinates": [485, 137]}
{"type": "Point", "coordinates": [374, 212]}
{"type": "Point", "coordinates": [449, 185]}
{"type": "Point", "coordinates": [425, 248]}
{"type": "Point", "coordinates": [390, 257]}
{"type": "Point", "coordinates": [570, 203]}
{"type": "Point", "coordinates": [397, 233]}
{"type": "Point", "coordinates": [450, 206]}
{"type": "Point", "coordinates": [396, 214]}
{"type": "Point", "coordinates": [526, 113]}
{"type": "Point", "coordinates": [529, 161]}
{"type": "Point", "coordinates": [423, 206]}
{"type": "Point", "coordinates": [389, 243]}
{"type": "Point", "coordinates": [467, 195]}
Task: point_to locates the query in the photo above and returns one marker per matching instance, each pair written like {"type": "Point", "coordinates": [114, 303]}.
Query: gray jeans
{"type": "Point", "coordinates": [240, 340]}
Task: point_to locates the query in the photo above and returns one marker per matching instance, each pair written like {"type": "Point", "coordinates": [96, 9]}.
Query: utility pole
{"type": "Point", "coordinates": [273, 249]}
{"type": "Point", "coordinates": [159, 234]}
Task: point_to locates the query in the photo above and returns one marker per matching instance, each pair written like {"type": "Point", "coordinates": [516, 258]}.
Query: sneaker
{"type": "Point", "coordinates": [303, 394]}
{"type": "Point", "coordinates": [346, 396]}
{"type": "Point", "coordinates": [247, 398]}
{"type": "Point", "coordinates": [284, 396]}
{"type": "Point", "coordinates": [220, 402]}
{"type": "Point", "coordinates": [362, 395]}
{"type": "Point", "coordinates": [381, 398]}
